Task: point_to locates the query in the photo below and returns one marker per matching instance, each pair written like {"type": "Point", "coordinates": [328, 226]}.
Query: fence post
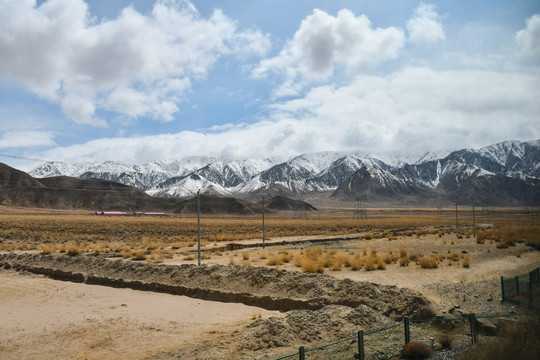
{"type": "Point", "coordinates": [406, 322]}
{"type": "Point", "coordinates": [530, 293]}
{"type": "Point", "coordinates": [360, 337]}
{"type": "Point", "coordinates": [474, 329]}
{"type": "Point", "coordinates": [302, 353]}
{"type": "Point", "coordinates": [517, 286]}
{"type": "Point", "coordinates": [502, 288]}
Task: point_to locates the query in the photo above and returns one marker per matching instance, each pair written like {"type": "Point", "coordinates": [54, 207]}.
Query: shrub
{"type": "Point", "coordinates": [445, 340]}
{"type": "Point", "coordinates": [403, 253]}
{"type": "Point", "coordinates": [416, 350]}
{"type": "Point", "coordinates": [519, 342]}
{"type": "Point", "coordinates": [73, 249]}
{"type": "Point", "coordinates": [275, 260]}
{"type": "Point", "coordinates": [355, 262]}
{"type": "Point", "coordinates": [369, 263]}
{"type": "Point", "coordinates": [428, 262]}
{"type": "Point", "coordinates": [156, 257]}
{"type": "Point", "coordinates": [466, 262]}
{"type": "Point", "coordinates": [138, 255]}
{"type": "Point", "coordinates": [380, 262]}
{"type": "Point", "coordinates": [47, 248]}
{"type": "Point", "coordinates": [311, 266]}
{"type": "Point", "coordinates": [454, 256]}
{"type": "Point", "coordinates": [245, 256]}
{"type": "Point", "coordinates": [404, 261]}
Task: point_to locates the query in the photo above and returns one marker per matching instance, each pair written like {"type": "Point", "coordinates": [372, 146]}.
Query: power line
{"type": "Point", "coordinates": [23, 158]}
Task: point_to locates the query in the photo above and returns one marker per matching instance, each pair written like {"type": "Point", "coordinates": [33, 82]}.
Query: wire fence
{"type": "Point", "coordinates": [523, 288]}
{"type": "Point", "coordinates": [387, 342]}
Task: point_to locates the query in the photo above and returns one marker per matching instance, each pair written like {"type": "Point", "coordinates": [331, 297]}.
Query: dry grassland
{"type": "Point", "coordinates": [159, 239]}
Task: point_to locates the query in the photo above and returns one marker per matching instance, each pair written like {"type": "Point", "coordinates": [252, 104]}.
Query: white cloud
{"type": "Point", "coordinates": [324, 41]}
{"type": "Point", "coordinates": [19, 139]}
{"type": "Point", "coordinates": [61, 53]}
{"type": "Point", "coordinates": [528, 39]}
{"type": "Point", "coordinates": [81, 110]}
{"type": "Point", "coordinates": [413, 109]}
{"type": "Point", "coordinates": [425, 26]}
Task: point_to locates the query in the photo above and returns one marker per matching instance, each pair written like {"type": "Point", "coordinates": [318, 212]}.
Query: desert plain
{"type": "Point", "coordinates": [74, 285]}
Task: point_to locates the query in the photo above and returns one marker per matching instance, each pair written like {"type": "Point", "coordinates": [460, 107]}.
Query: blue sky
{"type": "Point", "coordinates": [135, 81]}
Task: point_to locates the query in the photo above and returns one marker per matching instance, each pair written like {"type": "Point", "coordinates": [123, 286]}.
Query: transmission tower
{"type": "Point", "coordinates": [438, 206]}
{"type": "Point", "coordinates": [360, 211]}
{"type": "Point", "coordinates": [300, 210]}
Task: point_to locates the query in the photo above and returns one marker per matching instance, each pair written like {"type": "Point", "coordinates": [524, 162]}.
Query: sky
{"type": "Point", "coordinates": [140, 80]}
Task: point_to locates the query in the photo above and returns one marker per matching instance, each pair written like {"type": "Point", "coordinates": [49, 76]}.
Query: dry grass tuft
{"type": "Point", "coordinates": [403, 253]}
{"type": "Point", "coordinates": [416, 350]}
{"type": "Point", "coordinates": [155, 257]}
{"type": "Point", "coordinates": [428, 262]}
{"type": "Point", "coordinates": [73, 249]}
{"type": "Point", "coordinates": [138, 254]}
{"type": "Point", "coordinates": [466, 262]}
{"type": "Point", "coordinates": [245, 256]}
{"type": "Point", "coordinates": [275, 260]}
{"type": "Point", "coordinates": [445, 340]}
{"type": "Point", "coordinates": [369, 263]}
{"type": "Point", "coordinates": [47, 248]}
{"type": "Point", "coordinates": [404, 261]}
{"type": "Point", "coordinates": [311, 266]}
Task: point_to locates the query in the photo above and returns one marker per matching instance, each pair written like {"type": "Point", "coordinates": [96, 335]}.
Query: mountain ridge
{"type": "Point", "coordinates": [390, 176]}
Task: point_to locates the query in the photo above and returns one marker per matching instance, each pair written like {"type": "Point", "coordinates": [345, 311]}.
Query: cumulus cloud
{"type": "Point", "coordinates": [19, 139]}
{"type": "Point", "coordinates": [323, 42]}
{"type": "Point", "coordinates": [528, 39]}
{"type": "Point", "coordinates": [425, 25]}
{"type": "Point", "coordinates": [416, 108]}
{"type": "Point", "coordinates": [136, 64]}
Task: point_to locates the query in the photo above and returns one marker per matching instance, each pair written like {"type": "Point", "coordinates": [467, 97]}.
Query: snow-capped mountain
{"type": "Point", "coordinates": [347, 175]}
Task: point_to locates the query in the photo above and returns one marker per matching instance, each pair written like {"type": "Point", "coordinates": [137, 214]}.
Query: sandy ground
{"type": "Point", "coordinates": [50, 319]}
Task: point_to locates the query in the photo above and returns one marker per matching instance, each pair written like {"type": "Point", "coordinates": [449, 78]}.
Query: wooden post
{"type": "Point", "coordinates": [406, 323]}
{"type": "Point", "coordinates": [474, 222]}
{"type": "Point", "coordinates": [530, 294]}
{"type": "Point", "coordinates": [502, 289]}
{"type": "Point", "coordinates": [263, 229]}
{"type": "Point", "coordinates": [474, 328]}
{"type": "Point", "coordinates": [360, 337]}
{"type": "Point", "coordinates": [198, 228]}
{"type": "Point", "coordinates": [302, 353]}
{"type": "Point", "coordinates": [517, 286]}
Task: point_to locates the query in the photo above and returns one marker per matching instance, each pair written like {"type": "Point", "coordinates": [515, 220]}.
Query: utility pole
{"type": "Point", "coordinates": [474, 221]}
{"type": "Point", "coordinates": [456, 216]}
{"type": "Point", "coordinates": [198, 228]}
{"type": "Point", "coordinates": [263, 225]}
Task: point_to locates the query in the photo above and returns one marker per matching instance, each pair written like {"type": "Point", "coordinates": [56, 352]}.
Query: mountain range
{"type": "Point", "coordinates": [506, 173]}
{"type": "Point", "coordinates": [17, 188]}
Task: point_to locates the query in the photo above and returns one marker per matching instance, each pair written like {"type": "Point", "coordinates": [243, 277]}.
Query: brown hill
{"type": "Point", "coordinates": [218, 205]}
{"type": "Point", "coordinates": [20, 189]}
{"type": "Point", "coordinates": [281, 203]}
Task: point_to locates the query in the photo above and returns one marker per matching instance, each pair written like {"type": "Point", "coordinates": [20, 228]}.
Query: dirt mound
{"type": "Point", "coordinates": [267, 288]}
{"type": "Point", "coordinates": [308, 326]}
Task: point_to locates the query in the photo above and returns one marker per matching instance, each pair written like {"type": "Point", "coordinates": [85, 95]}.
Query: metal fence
{"type": "Point", "coordinates": [522, 289]}
{"type": "Point", "coordinates": [386, 342]}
